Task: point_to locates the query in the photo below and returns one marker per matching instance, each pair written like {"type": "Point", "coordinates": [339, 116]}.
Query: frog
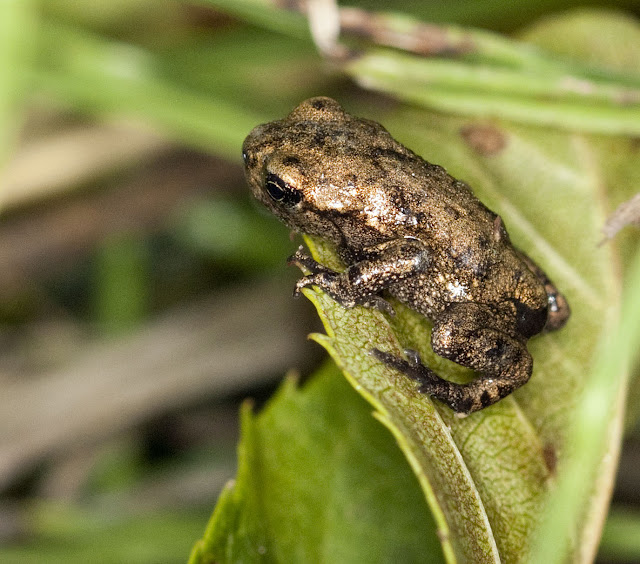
{"type": "Point", "coordinates": [406, 229]}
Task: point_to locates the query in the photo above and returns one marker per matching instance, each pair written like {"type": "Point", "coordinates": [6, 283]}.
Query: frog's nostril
{"type": "Point", "coordinates": [291, 161]}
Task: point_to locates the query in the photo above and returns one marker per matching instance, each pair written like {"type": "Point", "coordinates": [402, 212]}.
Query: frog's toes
{"type": "Point", "coordinates": [413, 368]}
{"type": "Point", "coordinates": [384, 357]}
{"type": "Point", "coordinates": [380, 304]}
{"type": "Point", "coordinates": [413, 357]}
{"type": "Point", "coordinates": [301, 259]}
{"type": "Point", "coordinates": [303, 283]}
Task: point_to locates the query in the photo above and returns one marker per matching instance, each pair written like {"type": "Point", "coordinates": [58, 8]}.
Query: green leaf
{"type": "Point", "coordinates": [236, 531]}
{"type": "Point", "coordinates": [319, 481]}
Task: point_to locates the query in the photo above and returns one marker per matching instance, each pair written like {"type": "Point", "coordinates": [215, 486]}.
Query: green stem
{"type": "Point", "coordinates": [478, 46]}
{"type": "Point", "coordinates": [460, 75]}
{"type": "Point", "coordinates": [446, 86]}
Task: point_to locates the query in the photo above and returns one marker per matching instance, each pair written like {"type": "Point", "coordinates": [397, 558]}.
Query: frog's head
{"type": "Point", "coordinates": [322, 172]}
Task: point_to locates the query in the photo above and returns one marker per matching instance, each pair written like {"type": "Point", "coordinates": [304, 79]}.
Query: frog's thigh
{"type": "Point", "coordinates": [470, 335]}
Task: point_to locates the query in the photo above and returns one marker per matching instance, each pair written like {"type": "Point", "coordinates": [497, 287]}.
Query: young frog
{"type": "Point", "coordinates": [404, 225]}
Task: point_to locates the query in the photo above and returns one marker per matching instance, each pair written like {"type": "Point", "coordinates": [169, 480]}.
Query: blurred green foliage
{"type": "Point", "coordinates": [71, 534]}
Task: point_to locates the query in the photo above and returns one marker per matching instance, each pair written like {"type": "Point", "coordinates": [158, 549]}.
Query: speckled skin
{"type": "Point", "coordinates": [404, 225]}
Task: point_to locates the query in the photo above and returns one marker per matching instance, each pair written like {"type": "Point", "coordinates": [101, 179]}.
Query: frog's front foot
{"type": "Point", "coordinates": [333, 283]}
{"type": "Point", "coordinates": [319, 275]}
{"type": "Point", "coordinates": [303, 261]}
{"type": "Point", "coordinates": [343, 287]}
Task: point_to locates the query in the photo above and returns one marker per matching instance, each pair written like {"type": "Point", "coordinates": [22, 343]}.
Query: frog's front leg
{"type": "Point", "coordinates": [360, 284]}
{"type": "Point", "coordinates": [469, 334]}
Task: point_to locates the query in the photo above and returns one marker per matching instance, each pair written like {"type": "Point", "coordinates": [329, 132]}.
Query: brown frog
{"type": "Point", "coordinates": [404, 225]}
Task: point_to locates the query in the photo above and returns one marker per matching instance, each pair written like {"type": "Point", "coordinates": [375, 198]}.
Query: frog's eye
{"type": "Point", "coordinates": [281, 191]}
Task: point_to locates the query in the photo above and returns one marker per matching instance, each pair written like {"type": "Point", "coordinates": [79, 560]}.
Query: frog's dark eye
{"type": "Point", "coordinates": [281, 191]}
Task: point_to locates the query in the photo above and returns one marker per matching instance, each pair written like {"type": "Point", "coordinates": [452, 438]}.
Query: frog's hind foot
{"type": "Point", "coordinates": [413, 368]}
{"type": "Point", "coordinates": [430, 383]}
{"type": "Point", "coordinates": [481, 392]}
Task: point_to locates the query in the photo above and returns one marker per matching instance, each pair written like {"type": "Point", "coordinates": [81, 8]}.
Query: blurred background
{"type": "Point", "coordinates": [143, 295]}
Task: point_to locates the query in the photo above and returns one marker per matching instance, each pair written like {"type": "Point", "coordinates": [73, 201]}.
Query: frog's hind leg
{"type": "Point", "coordinates": [465, 334]}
